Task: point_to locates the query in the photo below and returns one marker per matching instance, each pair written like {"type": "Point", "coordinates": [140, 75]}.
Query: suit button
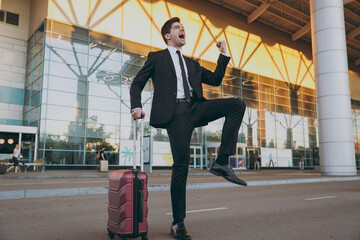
{"type": "Point", "coordinates": [175, 80]}
{"type": "Point", "coordinates": [175, 93]}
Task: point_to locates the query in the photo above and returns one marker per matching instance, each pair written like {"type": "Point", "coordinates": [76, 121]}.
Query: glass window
{"type": "Point", "coordinates": [36, 86]}
{"type": "Point", "coordinates": [251, 103]}
{"type": "Point", "coordinates": [34, 114]}
{"type": "Point", "coordinates": [270, 129]}
{"type": "Point", "coordinates": [63, 142]}
{"type": "Point", "coordinates": [282, 92]}
{"type": "Point", "coordinates": [213, 131]}
{"type": "Point", "coordinates": [101, 131]}
{"type": "Point", "coordinates": [295, 94]}
{"type": "Point", "coordinates": [53, 157]}
{"type": "Point", "coordinates": [38, 47]}
{"type": "Point", "coordinates": [65, 113]}
{"type": "Point", "coordinates": [67, 71]}
{"type": "Point", "coordinates": [39, 34]}
{"type": "Point", "coordinates": [66, 84]}
{"type": "Point", "coordinates": [126, 132]}
{"type": "Point", "coordinates": [280, 85]}
{"type": "Point", "coordinates": [38, 59]}
{"type": "Point", "coordinates": [90, 158]}
{"type": "Point", "coordinates": [211, 92]}
{"type": "Point", "coordinates": [65, 99]}
{"type": "Point", "coordinates": [266, 97]}
{"type": "Point", "coordinates": [35, 99]}
{"type": "Point", "coordinates": [284, 101]}
{"type": "Point", "coordinates": [108, 88]}
{"type": "Point", "coordinates": [231, 90]}
{"type": "Point", "coordinates": [267, 106]}
{"type": "Point", "coordinates": [308, 91]}
{"type": "Point", "coordinates": [250, 93]}
{"type": "Point", "coordinates": [309, 106]}
{"type": "Point", "coordinates": [105, 39]}
{"type": "Point", "coordinates": [54, 42]}
{"type": "Point", "coordinates": [103, 117]}
{"type": "Point", "coordinates": [129, 69]}
{"type": "Point", "coordinates": [68, 30]}
{"type": "Point", "coordinates": [71, 57]}
{"type": "Point", "coordinates": [268, 89]}
{"type": "Point", "coordinates": [282, 109]}
{"type": "Point", "coordinates": [309, 113]}
{"type": "Point", "coordinates": [36, 73]}
{"type": "Point", "coordinates": [249, 84]}
{"type": "Point", "coordinates": [250, 126]}
{"type": "Point", "coordinates": [296, 110]}
{"type": "Point", "coordinates": [65, 128]}
{"type": "Point", "coordinates": [232, 81]}
{"type": "Point", "coordinates": [308, 98]}
{"type": "Point", "coordinates": [112, 157]}
{"type": "Point", "coordinates": [102, 103]}
{"type": "Point", "coordinates": [266, 81]}
{"type": "Point", "coordinates": [108, 143]}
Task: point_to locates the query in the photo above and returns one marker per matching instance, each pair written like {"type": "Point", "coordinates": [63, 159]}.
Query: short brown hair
{"type": "Point", "coordinates": [167, 26]}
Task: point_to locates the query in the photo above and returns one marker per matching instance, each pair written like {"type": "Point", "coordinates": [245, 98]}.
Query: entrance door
{"type": "Point", "coordinates": [251, 153]}
{"type": "Point", "coordinates": [25, 136]}
{"type": "Point", "coordinates": [196, 157]}
{"type": "Point", "coordinates": [28, 146]}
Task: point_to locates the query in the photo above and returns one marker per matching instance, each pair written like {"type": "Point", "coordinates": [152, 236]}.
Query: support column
{"type": "Point", "coordinates": [336, 143]}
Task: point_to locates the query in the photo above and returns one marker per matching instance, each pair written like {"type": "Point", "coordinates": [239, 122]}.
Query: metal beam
{"type": "Point", "coordinates": [353, 33]}
{"type": "Point", "coordinates": [357, 62]}
{"type": "Point", "coordinates": [257, 12]}
{"type": "Point", "coordinates": [301, 32]}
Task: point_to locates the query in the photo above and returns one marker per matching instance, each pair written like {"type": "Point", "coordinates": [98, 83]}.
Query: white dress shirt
{"type": "Point", "coordinates": [175, 59]}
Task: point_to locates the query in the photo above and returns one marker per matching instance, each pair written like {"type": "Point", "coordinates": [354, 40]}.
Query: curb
{"type": "Point", "coordinates": [24, 194]}
{"type": "Point", "coordinates": [107, 175]}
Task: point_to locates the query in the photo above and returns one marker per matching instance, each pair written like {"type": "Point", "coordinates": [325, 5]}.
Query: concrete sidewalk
{"type": "Point", "coordinates": [52, 183]}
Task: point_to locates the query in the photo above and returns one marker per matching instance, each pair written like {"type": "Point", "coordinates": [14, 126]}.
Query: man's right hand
{"type": "Point", "coordinates": [137, 113]}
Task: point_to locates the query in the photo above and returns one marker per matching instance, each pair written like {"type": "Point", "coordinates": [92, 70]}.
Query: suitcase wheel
{"type": "Point", "coordinates": [111, 235]}
{"type": "Point", "coordinates": [144, 237]}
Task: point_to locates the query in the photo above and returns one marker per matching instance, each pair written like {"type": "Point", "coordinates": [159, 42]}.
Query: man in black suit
{"type": "Point", "coordinates": [179, 106]}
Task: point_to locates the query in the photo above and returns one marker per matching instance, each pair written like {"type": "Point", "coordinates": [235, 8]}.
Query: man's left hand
{"type": "Point", "coordinates": [222, 47]}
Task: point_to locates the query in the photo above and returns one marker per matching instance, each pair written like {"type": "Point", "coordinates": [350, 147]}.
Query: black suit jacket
{"type": "Point", "coordinates": [160, 67]}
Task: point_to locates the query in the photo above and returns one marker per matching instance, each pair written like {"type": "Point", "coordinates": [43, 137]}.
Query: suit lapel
{"type": "Point", "coordinates": [188, 65]}
{"type": "Point", "coordinates": [168, 58]}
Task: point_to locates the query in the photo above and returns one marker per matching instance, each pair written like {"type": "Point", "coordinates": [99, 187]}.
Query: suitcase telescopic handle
{"type": "Point", "coordinates": [141, 144]}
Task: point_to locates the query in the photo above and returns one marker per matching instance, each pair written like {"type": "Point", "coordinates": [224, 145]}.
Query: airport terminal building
{"type": "Point", "coordinates": [66, 68]}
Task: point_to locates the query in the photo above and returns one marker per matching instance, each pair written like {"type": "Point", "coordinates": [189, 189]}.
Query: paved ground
{"type": "Point", "coordinates": [321, 211]}
{"type": "Point", "coordinates": [83, 182]}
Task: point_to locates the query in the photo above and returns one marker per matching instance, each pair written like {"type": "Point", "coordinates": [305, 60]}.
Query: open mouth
{"type": "Point", "coordinates": [182, 36]}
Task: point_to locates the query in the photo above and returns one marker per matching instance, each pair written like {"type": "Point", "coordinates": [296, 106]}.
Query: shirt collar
{"type": "Point", "coordinates": [173, 50]}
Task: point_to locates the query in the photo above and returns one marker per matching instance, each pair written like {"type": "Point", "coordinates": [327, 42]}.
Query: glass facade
{"type": "Point", "coordinates": [77, 94]}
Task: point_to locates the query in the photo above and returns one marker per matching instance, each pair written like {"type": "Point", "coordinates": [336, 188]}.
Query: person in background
{"type": "Point", "coordinates": [15, 158]}
{"type": "Point", "coordinates": [100, 156]}
{"type": "Point", "coordinates": [301, 161]}
{"type": "Point", "coordinates": [257, 162]}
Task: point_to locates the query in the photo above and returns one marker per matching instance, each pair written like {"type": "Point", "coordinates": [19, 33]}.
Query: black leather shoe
{"type": "Point", "coordinates": [178, 231]}
{"type": "Point", "coordinates": [227, 172]}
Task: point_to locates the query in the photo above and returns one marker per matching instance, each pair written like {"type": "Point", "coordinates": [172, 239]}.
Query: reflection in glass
{"type": "Point", "coordinates": [53, 157]}
{"type": "Point", "coordinates": [63, 142]}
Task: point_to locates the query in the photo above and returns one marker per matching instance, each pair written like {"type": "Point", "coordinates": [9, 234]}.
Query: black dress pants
{"type": "Point", "coordinates": [180, 128]}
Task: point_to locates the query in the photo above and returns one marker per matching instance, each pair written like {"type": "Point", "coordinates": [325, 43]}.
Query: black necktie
{"type": "Point", "coordinates": [186, 85]}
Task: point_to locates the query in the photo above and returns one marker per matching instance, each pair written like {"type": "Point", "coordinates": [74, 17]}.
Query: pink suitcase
{"type": "Point", "coordinates": [128, 195]}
